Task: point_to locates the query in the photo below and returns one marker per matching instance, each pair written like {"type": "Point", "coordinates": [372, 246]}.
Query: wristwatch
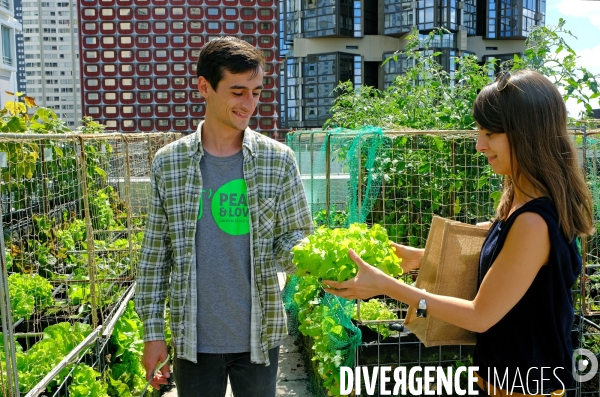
{"type": "Point", "coordinates": [422, 309]}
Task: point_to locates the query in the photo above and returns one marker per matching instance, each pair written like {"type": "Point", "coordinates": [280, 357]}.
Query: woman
{"type": "Point", "coordinates": [523, 311]}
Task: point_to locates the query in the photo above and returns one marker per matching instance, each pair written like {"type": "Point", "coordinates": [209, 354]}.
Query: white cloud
{"type": "Point", "coordinates": [589, 59]}
{"type": "Point", "coordinates": [581, 9]}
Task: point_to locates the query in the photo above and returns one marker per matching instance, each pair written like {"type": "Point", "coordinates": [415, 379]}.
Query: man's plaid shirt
{"type": "Point", "coordinates": [280, 218]}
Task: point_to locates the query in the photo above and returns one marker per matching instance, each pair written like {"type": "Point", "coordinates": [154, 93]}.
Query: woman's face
{"type": "Point", "coordinates": [495, 147]}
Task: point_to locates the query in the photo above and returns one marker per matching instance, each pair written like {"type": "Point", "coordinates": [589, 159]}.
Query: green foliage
{"type": "Point", "coordinates": [57, 342]}
{"type": "Point", "coordinates": [28, 293]}
{"type": "Point", "coordinates": [86, 383]}
{"type": "Point", "coordinates": [426, 175]}
{"type": "Point", "coordinates": [425, 97]}
{"type": "Point", "coordinates": [428, 97]}
{"type": "Point", "coordinates": [549, 53]}
{"type": "Point", "coordinates": [325, 254]}
{"type": "Point", "coordinates": [127, 375]}
{"type": "Point", "coordinates": [335, 218]}
{"type": "Point", "coordinates": [376, 310]}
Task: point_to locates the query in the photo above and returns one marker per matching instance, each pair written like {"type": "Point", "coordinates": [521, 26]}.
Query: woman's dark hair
{"type": "Point", "coordinates": [227, 54]}
{"type": "Point", "coordinates": [529, 109]}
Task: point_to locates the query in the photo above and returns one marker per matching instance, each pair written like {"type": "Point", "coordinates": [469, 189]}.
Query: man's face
{"type": "Point", "coordinates": [231, 106]}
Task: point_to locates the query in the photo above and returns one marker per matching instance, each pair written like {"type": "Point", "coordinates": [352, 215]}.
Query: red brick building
{"type": "Point", "coordinates": [138, 59]}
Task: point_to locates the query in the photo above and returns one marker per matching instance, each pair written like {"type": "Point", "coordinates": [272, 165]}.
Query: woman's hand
{"type": "Point", "coordinates": [411, 257]}
{"type": "Point", "coordinates": [368, 282]}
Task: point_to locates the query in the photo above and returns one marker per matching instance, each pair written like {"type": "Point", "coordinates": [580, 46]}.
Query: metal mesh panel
{"type": "Point", "coordinates": [415, 175]}
{"type": "Point", "coordinates": [73, 214]}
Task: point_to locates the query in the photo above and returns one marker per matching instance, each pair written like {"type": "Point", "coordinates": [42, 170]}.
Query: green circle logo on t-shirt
{"type": "Point", "coordinates": [230, 208]}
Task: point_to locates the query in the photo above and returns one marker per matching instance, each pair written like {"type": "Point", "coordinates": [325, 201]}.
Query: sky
{"type": "Point", "coordinates": [583, 20]}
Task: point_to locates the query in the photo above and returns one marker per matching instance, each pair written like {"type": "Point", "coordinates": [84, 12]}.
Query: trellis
{"type": "Point", "coordinates": [400, 179]}
{"type": "Point", "coordinates": [73, 210]}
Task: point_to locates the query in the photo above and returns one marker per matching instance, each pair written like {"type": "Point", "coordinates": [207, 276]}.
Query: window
{"type": "Point", "coordinates": [179, 109]}
{"type": "Point", "coordinates": [107, 40]}
{"type": "Point", "coordinates": [110, 82]}
{"type": "Point", "coordinates": [145, 123]}
{"type": "Point", "coordinates": [178, 39]}
{"type": "Point", "coordinates": [161, 67]}
{"type": "Point", "coordinates": [144, 81]}
{"type": "Point", "coordinates": [145, 109]}
{"type": "Point", "coordinates": [109, 68]}
{"type": "Point", "coordinates": [163, 123]}
{"type": "Point", "coordinates": [162, 81]}
{"type": "Point", "coordinates": [127, 123]}
{"type": "Point", "coordinates": [127, 109]}
{"type": "Point", "coordinates": [92, 82]}
{"type": "Point", "coordinates": [91, 68]}
{"type": "Point", "coordinates": [126, 68]}
{"type": "Point", "coordinates": [163, 95]}
{"type": "Point", "coordinates": [162, 109]}
{"type": "Point", "coordinates": [6, 46]}
{"type": "Point", "coordinates": [160, 11]}
{"type": "Point", "coordinates": [179, 67]}
{"type": "Point", "coordinates": [125, 39]}
{"type": "Point", "coordinates": [93, 110]}
{"type": "Point", "coordinates": [93, 96]}
{"type": "Point", "coordinates": [111, 123]}
{"type": "Point", "coordinates": [179, 94]}
{"type": "Point", "coordinates": [110, 96]}
{"type": "Point", "coordinates": [160, 25]}
{"type": "Point", "coordinates": [144, 95]}
{"type": "Point", "coordinates": [142, 11]}
{"type": "Point", "coordinates": [107, 12]}
{"type": "Point", "coordinates": [161, 39]}
{"type": "Point", "coordinates": [177, 11]}
{"type": "Point", "coordinates": [179, 81]}
{"type": "Point", "coordinates": [89, 40]}
{"type": "Point", "coordinates": [127, 82]}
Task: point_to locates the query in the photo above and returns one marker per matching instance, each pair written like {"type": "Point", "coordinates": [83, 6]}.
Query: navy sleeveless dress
{"type": "Point", "coordinates": [536, 332]}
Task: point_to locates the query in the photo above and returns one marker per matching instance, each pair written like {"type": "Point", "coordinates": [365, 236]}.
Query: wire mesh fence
{"type": "Point", "coordinates": [400, 180]}
{"type": "Point", "coordinates": [73, 213]}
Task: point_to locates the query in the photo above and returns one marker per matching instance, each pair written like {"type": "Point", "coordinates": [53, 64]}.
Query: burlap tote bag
{"type": "Point", "coordinates": [450, 267]}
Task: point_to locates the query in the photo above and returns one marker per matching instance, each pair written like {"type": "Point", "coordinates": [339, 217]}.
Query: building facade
{"type": "Point", "coordinates": [138, 59]}
{"type": "Point", "coordinates": [339, 40]}
{"type": "Point", "coordinates": [9, 28]}
{"type": "Point", "coordinates": [51, 53]}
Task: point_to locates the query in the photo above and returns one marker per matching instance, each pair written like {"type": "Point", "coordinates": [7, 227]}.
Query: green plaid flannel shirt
{"type": "Point", "coordinates": [280, 218]}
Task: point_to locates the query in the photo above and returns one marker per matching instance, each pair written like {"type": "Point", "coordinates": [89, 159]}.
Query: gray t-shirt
{"type": "Point", "coordinates": [223, 257]}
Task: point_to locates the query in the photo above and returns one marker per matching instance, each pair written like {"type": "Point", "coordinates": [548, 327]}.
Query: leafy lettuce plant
{"type": "Point", "coordinates": [325, 253]}
{"type": "Point", "coordinates": [86, 384]}
{"type": "Point", "coordinates": [374, 310]}
{"type": "Point", "coordinates": [28, 293]}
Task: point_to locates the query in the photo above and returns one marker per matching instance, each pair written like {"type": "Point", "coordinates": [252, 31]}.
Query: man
{"type": "Point", "coordinates": [227, 204]}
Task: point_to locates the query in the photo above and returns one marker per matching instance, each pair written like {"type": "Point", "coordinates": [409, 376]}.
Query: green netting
{"type": "Point", "coordinates": [336, 168]}
{"type": "Point", "coordinates": [327, 320]}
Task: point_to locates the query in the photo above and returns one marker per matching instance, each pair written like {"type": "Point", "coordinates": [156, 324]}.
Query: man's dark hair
{"type": "Point", "coordinates": [227, 54]}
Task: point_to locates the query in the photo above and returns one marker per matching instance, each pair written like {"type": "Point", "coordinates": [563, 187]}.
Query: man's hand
{"type": "Point", "coordinates": [155, 352]}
